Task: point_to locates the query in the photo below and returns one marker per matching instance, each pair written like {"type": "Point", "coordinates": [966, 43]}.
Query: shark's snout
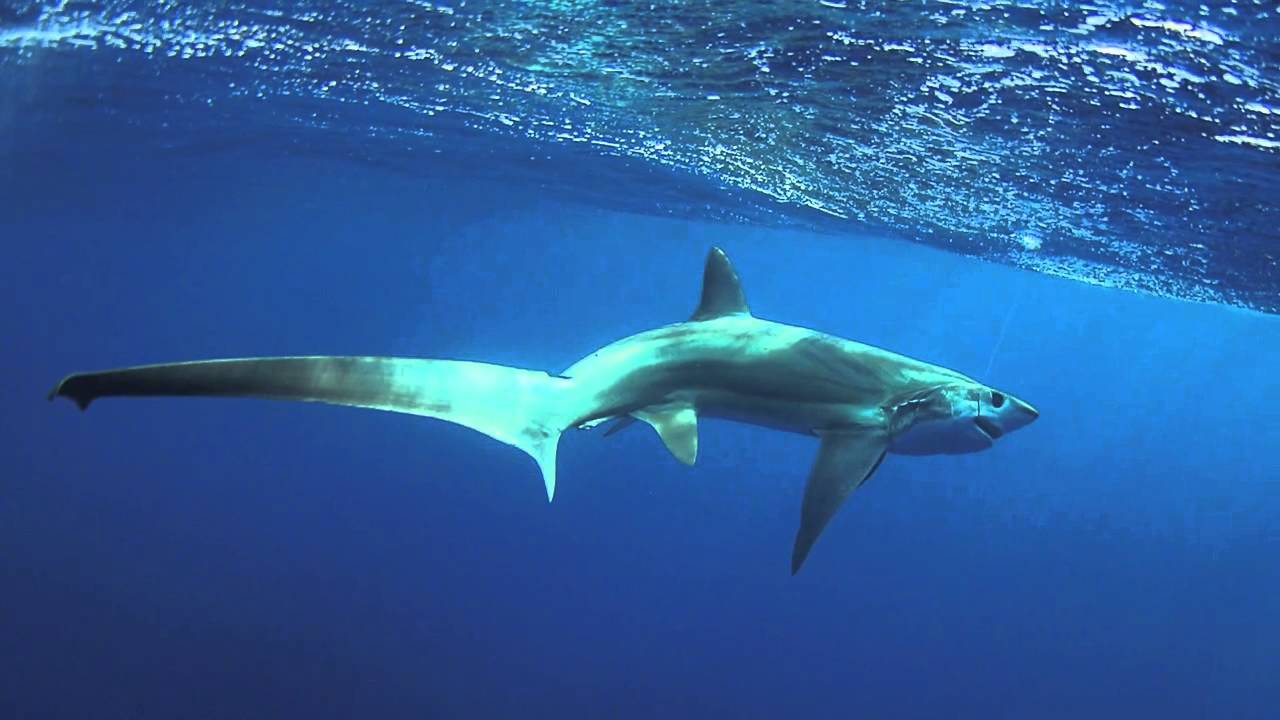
{"type": "Point", "coordinates": [1025, 411]}
{"type": "Point", "coordinates": [1011, 414]}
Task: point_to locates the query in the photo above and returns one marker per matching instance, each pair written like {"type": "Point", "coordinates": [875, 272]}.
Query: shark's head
{"type": "Point", "coordinates": [959, 416]}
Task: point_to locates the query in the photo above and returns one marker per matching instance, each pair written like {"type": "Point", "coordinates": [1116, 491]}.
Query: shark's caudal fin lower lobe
{"type": "Point", "coordinates": [523, 408]}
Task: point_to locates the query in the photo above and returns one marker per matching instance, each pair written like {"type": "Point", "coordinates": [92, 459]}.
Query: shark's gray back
{"type": "Point", "coordinates": [736, 365]}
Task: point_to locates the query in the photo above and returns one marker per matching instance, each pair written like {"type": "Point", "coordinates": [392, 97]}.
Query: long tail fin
{"type": "Point", "coordinates": [524, 408]}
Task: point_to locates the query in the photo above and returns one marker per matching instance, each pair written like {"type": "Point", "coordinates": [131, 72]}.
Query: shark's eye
{"type": "Point", "coordinates": [996, 399]}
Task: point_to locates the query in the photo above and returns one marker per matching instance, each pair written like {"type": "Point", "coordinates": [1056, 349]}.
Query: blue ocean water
{"type": "Point", "coordinates": [236, 558]}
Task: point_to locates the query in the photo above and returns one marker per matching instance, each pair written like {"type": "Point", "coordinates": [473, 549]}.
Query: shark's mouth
{"type": "Point", "coordinates": [989, 428]}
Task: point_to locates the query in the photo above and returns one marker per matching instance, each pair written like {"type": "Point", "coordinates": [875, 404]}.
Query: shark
{"type": "Point", "coordinates": [859, 401]}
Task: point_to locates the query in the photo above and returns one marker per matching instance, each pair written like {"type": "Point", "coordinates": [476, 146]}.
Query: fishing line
{"type": "Point", "coordinates": [1004, 326]}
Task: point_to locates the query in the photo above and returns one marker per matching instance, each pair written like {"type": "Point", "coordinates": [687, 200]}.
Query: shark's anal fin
{"type": "Point", "coordinates": [846, 458]}
{"type": "Point", "coordinates": [677, 425]}
{"type": "Point", "coordinates": [721, 289]}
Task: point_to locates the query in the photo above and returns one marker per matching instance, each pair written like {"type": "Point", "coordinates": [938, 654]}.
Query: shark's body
{"type": "Point", "coordinates": [861, 401]}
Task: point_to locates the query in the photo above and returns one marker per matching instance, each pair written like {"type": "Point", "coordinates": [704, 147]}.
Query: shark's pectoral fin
{"type": "Point", "coordinates": [846, 459]}
{"type": "Point", "coordinates": [677, 425]}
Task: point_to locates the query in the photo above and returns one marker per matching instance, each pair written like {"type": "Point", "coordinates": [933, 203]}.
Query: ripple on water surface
{"type": "Point", "coordinates": [1128, 145]}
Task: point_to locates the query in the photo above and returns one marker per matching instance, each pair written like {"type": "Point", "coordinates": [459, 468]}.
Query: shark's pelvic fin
{"type": "Point", "coordinates": [619, 424]}
{"type": "Point", "coordinates": [721, 289]}
{"type": "Point", "coordinates": [846, 458]}
{"type": "Point", "coordinates": [524, 408]}
{"type": "Point", "coordinates": [677, 425]}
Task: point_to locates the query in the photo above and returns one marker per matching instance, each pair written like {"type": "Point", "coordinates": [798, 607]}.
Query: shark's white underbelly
{"type": "Point", "coordinates": [790, 416]}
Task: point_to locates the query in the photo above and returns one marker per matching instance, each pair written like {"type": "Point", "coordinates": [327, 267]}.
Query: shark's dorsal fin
{"type": "Point", "coordinates": [677, 425]}
{"type": "Point", "coordinates": [721, 289]}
